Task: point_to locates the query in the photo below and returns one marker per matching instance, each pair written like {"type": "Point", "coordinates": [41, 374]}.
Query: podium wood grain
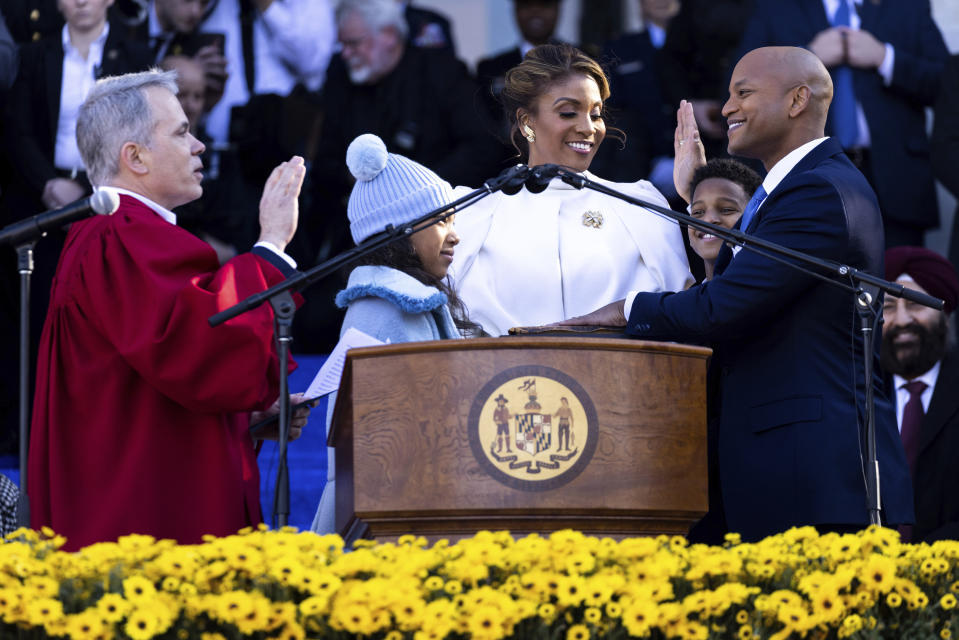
{"type": "Point", "coordinates": [404, 463]}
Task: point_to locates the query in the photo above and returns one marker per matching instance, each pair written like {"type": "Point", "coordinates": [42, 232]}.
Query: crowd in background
{"type": "Point", "coordinates": [263, 79]}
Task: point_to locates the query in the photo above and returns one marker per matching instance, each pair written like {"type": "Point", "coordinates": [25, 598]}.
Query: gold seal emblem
{"type": "Point", "coordinates": [533, 428]}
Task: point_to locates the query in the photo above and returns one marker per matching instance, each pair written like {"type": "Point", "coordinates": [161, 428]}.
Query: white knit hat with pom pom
{"type": "Point", "coordinates": [389, 189]}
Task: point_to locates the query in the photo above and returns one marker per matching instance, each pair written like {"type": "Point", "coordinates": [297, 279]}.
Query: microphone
{"type": "Point", "coordinates": [540, 176]}
{"type": "Point", "coordinates": [510, 180]}
{"type": "Point", "coordinates": [103, 202]}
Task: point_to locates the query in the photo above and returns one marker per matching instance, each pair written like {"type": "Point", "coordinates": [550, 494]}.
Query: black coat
{"type": "Point", "coordinates": [937, 474]}
{"type": "Point", "coordinates": [35, 103]}
{"type": "Point", "coordinates": [945, 142]}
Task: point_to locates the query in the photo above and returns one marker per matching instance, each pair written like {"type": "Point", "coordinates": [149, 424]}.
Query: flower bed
{"type": "Point", "coordinates": [283, 584]}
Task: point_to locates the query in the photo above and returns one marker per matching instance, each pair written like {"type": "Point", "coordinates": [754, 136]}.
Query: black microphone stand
{"type": "Point", "coordinates": [279, 296]}
{"type": "Point", "coordinates": [816, 267]}
{"type": "Point", "coordinates": [25, 268]}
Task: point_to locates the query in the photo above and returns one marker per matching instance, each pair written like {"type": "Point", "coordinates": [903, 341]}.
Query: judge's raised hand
{"type": "Point", "coordinates": [688, 148]}
{"type": "Point", "coordinates": [279, 206]}
{"type": "Point", "coordinates": [612, 315]}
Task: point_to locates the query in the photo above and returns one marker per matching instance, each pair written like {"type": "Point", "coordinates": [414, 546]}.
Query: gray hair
{"type": "Point", "coordinates": [377, 14]}
{"type": "Point", "coordinates": [115, 112]}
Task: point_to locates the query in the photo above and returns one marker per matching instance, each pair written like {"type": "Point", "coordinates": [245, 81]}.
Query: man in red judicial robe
{"type": "Point", "coordinates": [142, 410]}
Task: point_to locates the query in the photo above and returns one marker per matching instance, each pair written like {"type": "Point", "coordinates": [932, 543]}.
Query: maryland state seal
{"type": "Point", "coordinates": [533, 428]}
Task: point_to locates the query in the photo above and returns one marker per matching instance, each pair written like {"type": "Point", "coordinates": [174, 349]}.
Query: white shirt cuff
{"type": "Point", "coordinates": [888, 65]}
{"type": "Point", "coordinates": [275, 249]}
{"type": "Point", "coordinates": [629, 304]}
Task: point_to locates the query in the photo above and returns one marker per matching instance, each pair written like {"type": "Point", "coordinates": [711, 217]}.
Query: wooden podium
{"type": "Point", "coordinates": [446, 438]}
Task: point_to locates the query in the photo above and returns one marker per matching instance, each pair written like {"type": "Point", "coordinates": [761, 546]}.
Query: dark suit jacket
{"type": "Point", "coordinates": [789, 351]}
{"type": "Point", "coordinates": [491, 76]}
{"type": "Point", "coordinates": [937, 474]}
{"type": "Point", "coordinates": [635, 106]}
{"type": "Point", "coordinates": [35, 102]}
{"type": "Point", "coordinates": [945, 142]}
{"type": "Point", "coordinates": [902, 174]}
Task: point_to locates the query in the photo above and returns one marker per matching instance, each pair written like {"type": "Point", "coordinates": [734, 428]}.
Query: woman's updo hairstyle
{"type": "Point", "coordinates": [543, 67]}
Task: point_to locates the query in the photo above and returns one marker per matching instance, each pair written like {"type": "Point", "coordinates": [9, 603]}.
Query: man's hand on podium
{"type": "Point", "coordinates": [611, 315]}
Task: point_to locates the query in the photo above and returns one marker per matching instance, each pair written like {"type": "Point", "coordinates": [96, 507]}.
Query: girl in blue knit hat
{"type": "Point", "coordinates": [398, 293]}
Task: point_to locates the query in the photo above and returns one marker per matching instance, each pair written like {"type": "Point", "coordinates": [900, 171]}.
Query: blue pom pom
{"type": "Point", "coordinates": [366, 157]}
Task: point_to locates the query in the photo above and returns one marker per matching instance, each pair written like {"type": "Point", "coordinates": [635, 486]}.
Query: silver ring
{"type": "Point", "coordinates": [681, 142]}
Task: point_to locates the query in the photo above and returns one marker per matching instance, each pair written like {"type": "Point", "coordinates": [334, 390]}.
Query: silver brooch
{"type": "Point", "coordinates": [593, 219]}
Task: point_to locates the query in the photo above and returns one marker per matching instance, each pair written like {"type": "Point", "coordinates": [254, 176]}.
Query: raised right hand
{"type": "Point", "coordinates": [688, 148]}
{"type": "Point", "coordinates": [279, 206]}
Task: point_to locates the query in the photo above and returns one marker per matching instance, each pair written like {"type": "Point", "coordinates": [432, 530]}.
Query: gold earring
{"type": "Point", "coordinates": [529, 134]}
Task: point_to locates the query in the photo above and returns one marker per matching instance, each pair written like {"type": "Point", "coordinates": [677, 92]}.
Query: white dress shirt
{"type": "Point", "coordinates": [78, 77]}
{"type": "Point", "coordinates": [292, 42]}
{"type": "Point", "coordinates": [902, 396]}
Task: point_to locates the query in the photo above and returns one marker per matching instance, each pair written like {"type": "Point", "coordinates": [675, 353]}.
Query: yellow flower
{"type": "Point", "coordinates": [893, 599]}
{"type": "Point", "coordinates": [408, 611]}
{"type": "Point", "coordinates": [314, 606]}
{"type": "Point", "coordinates": [484, 622]}
{"type": "Point", "coordinates": [433, 583]}
{"type": "Point", "coordinates": [852, 623]}
{"type": "Point", "coordinates": [577, 632]}
{"type": "Point", "coordinates": [113, 607]}
{"type": "Point", "coordinates": [878, 573]}
{"type": "Point", "coordinates": [138, 588]}
{"type": "Point", "coordinates": [354, 618]}
{"type": "Point", "coordinates": [945, 633]}
{"type": "Point", "coordinates": [918, 602]}
{"type": "Point", "coordinates": [453, 587]}
{"type": "Point", "coordinates": [292, 631]}
{"type": "Point", "coordinates": [745, 632]}
{"type": "Point", "coordinates": [42, 587]}
{"type": "Point", "coordinates": [614, 610]}
{"type": "Point", "coordinates": [640, 616]}
{"type": "Point", "coordinates": [11, 601]}
{"type": "Point", "coordinates": [86, 625]}
{"type": "Point", "coordinates": [592, 615]}
{"type": "Point", "coordinates": [43, 610]}
{"type": "Point", "coordinates": [828, 606]}
{"type": "Point", "coordinates": [947, 601]}
{"type": "Point", "coordinates": [546, 611]}
{"type": "Point", "coordinates": [570, 590]}
{"type": "Point", "coordinates": [141, 625]}
{"type": "Point", "coordinates": [742, 616]}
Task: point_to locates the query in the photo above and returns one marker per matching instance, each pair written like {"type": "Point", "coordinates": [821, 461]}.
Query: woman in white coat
{"type": "Point", "coordinates": [535, 258]}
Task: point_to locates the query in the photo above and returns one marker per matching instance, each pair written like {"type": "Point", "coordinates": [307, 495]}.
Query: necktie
{"type": "Point", "coordinates": [911, 419]}
{"type": "Point", "coordinates": [845, 121]}
{"type": "Point", "coordinates": [912, 415]}
{"type": "Point", "coordinates": [752, 206]}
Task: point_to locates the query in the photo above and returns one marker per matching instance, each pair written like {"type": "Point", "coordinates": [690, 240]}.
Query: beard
{"type": "Point", "coordinates": [360, 75]}
{"type": "Point", "coordinates": [910, 361]}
